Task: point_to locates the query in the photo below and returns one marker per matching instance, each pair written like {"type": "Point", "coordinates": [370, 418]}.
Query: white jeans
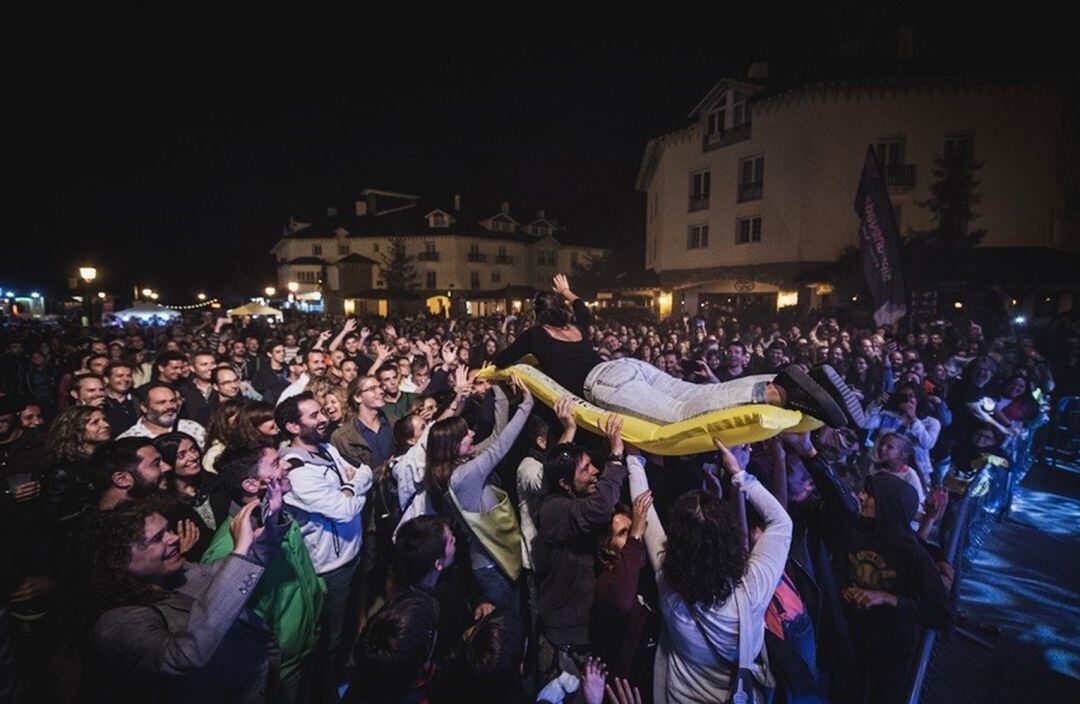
{"type": "Point", "coordinates": [639, 389]}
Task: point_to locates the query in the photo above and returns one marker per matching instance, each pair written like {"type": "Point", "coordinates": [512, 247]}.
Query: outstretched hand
{"type": "Point", "coordinates": [613, 425]}
{"type": "Point", "coordinates": [731, 463]}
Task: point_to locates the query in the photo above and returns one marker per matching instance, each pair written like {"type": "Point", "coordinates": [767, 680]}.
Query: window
{"type": "Point", "coordinates": [551, 257]}
{"type": "Point", "coordinates": [716, 121]}
{"type": "Point", "coordinates": [749, 230]}
{"type": "Point", "coordinates": [307, 277]}
{"type": "Point", "coordinates": [501, 224]}
{"type": "Point", "coordinates": [429, 254]}
{"type": "Point", "coordinates": [890, 153]}
{"type": "Point", "coordinates": [376, 246]}
{"type": "Point", "coordinates": [751, 178]}
{"type": "Point", "coordinates": [431, 280]}
{"type": "Point", "coordinates": [741, 110]}
{"type": "Point", "coordinates": [438, 220]}
{"type": "Point", "coordinates": [343, 249]}
{"type": "Point", "coordinates": [475, 255]}
{"type": "Point", "coordinates": [698, 237]}
{"type": "Point", "coordinates": [699, 190]}
{"type": "Point", "coordinates": [496, 277]}
{"type": "Point", "coordinates": [959, 150]}
{"type": "Point", "coordinates": [573, 259]}
{"type": "Point", "coordinates": [474, 280]}
{"type": "Point", "coordinates": [316, 249]}
{"type": "Point", "coordinates": [541, 230]}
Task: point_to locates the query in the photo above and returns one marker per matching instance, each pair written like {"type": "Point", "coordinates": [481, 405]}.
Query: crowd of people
{"type": "Point", "coordinates": [325, 509]}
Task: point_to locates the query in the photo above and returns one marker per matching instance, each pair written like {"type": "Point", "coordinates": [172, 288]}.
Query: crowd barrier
{"type": "Point", "coordinates": [986, 501]}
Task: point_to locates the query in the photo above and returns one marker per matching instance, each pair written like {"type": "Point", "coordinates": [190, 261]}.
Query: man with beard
{"type": "Point", "coordinates": [120, 408]}
{"type": "Point", "coordinates": [88, 390]}
{"type": "Point", "coordinates": [126, 469]}
{"type": "Point", "coordinates": [168, 369]}
{"type": "Point", "coordinates": [327, 497]}
{"type": "Point", "coordinates": [314, 368]}
{"type": "Point", "coordinates": [160, 408]}
{"type": "Point", "coordinates": [289, 597]}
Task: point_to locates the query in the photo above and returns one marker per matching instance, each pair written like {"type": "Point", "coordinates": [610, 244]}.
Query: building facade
{"type": "Point", "coordinates": [753, 199]}
{"type": "Point", "coordinates": [465, 260]}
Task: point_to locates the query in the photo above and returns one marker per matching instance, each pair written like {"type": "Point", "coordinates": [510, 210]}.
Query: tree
{"type": "Point", "coordinates": [603, 272]}
{"type": "Point", "coordinates": [938, 252]}
{"type": "Point", "coordinates": [397, 268]}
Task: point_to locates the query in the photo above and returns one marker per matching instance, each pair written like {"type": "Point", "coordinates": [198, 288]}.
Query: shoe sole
{"type": "Point", "coordinates": [821, 396]}
{"type": "Point", "coordinates": [841, 393]}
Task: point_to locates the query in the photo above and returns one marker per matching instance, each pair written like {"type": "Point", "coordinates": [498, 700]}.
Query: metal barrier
{"type": "Point", "coordinates": [1062, 444]}
{"type": "Point", "coordinates": [988, 499]}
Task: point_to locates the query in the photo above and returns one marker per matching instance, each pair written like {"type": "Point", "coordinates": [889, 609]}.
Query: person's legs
{"type": "Point", "coordinates": [636, 388]}
{"type": "Point", "coordinates": [338, 585]}
{"type": "Point", "coordinates": [497, 589]}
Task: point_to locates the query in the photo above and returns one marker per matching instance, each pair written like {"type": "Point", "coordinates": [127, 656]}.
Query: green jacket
{"type": "Point", "coordinates": [289, 597]}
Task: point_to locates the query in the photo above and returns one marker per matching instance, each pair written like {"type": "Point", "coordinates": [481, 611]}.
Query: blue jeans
{"type": "Point", "coordinates": [494, 587]}
{"type": "Point", "coordinates": [639, 389]}
{"type": "Point", "coordinates": [338, 586]}
{"type": "Point", "coordinates": [799, 636]}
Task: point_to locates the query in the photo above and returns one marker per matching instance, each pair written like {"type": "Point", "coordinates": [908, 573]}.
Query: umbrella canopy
{"type": "Point", "coordinates": [254, 308]}
{"type": "Point", "coordinates": [147, 310]}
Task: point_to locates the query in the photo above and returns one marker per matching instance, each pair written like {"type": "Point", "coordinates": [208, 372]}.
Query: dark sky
{"type": "Point", "coordinates": [177, 169]}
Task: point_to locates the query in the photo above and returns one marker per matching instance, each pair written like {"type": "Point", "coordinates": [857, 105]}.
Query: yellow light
{"type": "Point", "coordinates": [270, 290]}
{"type": "Point", "coordinates": [101, 295]}
{"type": "Point", "coordinates": [786, 299]}
{"type": "Point", "coordinates": [293, 286]}
{"type": "Point", "coordinates": [87, 273]}
{"type": "Point", "coordinates": [201, 296]}
{"type": "Point", "coordinates": [854, 299]}
{"type": "Point", "coordinates": [153, 296]}
{"type": "Point", "coordinates": [665, 300]}
{"type": "Point", "coordinates": [824, 289]}
{"type": "Point", "coordinates": [958, 305]}
{"type": "Point", "coordinates": [146, 292]}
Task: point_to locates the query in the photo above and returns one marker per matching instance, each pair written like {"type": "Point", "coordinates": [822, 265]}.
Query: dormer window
{"type": "Point", "coordinates": [716, 121]}
{"type": "Point", "coordinates": [541, 230]}
{"type": "Point", "coordinates": [438, 220]}
{"type": "Point", "coordinates": [502, 224]}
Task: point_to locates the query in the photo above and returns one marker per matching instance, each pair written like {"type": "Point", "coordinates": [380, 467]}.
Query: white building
{"type": "Point", "coordinates": [749, 201]}
{"type": "Point", "coordinates": [479, 261]}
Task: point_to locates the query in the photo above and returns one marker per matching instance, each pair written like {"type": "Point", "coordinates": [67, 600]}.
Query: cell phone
{"type": "Point", "coordinates": [258, 516]}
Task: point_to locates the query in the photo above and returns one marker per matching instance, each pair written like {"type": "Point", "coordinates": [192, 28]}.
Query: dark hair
{"type": "Point", "coordinates": [252, 415]}
{"type": "Point", "coordinates": [536, 427]}
{"type": "Point", "coordinates": [236, 464]}
{"type": "Point", "coordinates": [143, 394]}
{"type": "Point", "coordinates": [269, 345]}
{"type": "Point", "coordinates": [117, 456]}
{"type": "Point", "coordinates": [561, 465]}
{"type": "Point", "coordinates": [310, 351]}
{"type": "Point", "coordinates": [420, 541]}
{"type": "Point", "coordinates": [168, 443]}
{"type": "Point", "coordinates": [605, 554]}
{"type": "Point", "coordinates": [166, 356]}
{"type": "Point", "coordinates": [922, 401]}
{"type": "Point", "coordinates": [288, 411]}
{"type": "Point", "coordinates": [92, 357]}
{"type": "Point", "coordinates": [443, 442]}
{"type": "Point", "coordinates": [107, 540]}
{"type": "Point", "coordinates": [394, 648]}
{"type": "Point", "coordinates": [78, 379]}
{"type": "Point", "coordinates": [222, 425]}
{"type": "Point", "coordinates": [550, 310]}
{"type": "Point", "coordinates": [203, 352]}
{"type": "Point", "coordinates": [118, 364]}
{"type": "Point", "coordinates": [403, 433]}
{"type": "Point", "coordinates": [705, 555]}
{"type": "Point", "coordinates": [493, 655]}
{"type": "Point", "coordinates": [219, 368]}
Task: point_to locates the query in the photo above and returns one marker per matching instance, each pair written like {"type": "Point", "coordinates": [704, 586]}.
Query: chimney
{"type": "Point", "coordinates": [505, 207]}
{"type": "Point", "coordinates": [457, 201]}
{"type": "Point", "coordinates": [361, 208]}
{"type": "Point", "coordinates": [540, 215]}
{"type": "Point", "coordinates": [371, 204]}
{"type": "Point", "coordinates": [331, 212]}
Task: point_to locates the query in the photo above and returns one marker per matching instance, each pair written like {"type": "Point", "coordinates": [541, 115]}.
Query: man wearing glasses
{"type": "Point", "coordinates": [368, 439]}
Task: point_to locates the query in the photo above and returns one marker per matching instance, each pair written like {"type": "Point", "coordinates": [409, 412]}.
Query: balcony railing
{"type": "Point", "coordinates": [699, 203]}
{"type": "Point", "coordinates": [750, 191]}
{"type": "Point", "coordinates": [722, 139]}
{"type": "Point", "coordinates": [427, 256]}
{"type": "Point", "coordinates": [503, 259]}
{"type": "Point", "coordinates": [477, 257]}
{"type": "Point", "coordinates": [900, 175]}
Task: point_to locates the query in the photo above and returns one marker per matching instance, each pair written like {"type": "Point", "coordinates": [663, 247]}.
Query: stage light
{"type": "Point", "coordinates": [35, 294]}
{"type": "Point", "coordinates": [269, 290]}
{"type": "Point", "coordinates": [88, 273]}
{"type": "Point", "coordinates": [101, 295]}
{"type": "Point", "coordinates": [147, 292]}
{"type": "Point", "coordinates": [1019, 320]}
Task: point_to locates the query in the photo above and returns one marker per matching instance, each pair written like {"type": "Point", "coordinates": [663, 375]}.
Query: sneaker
{"type": "Point", "coordinates": [806, 395]}
{"type": "Point", "coordinates": [828, 379]}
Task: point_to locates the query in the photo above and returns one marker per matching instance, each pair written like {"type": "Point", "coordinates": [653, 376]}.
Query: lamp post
{"type": "Point", "coordinates": [269, 291]}
{"type": "Point", "coordinates": [88, 274]}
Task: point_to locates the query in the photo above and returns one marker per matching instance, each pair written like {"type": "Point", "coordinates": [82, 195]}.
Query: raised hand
{"type": "Point", "coordinates": [592, 681]}
{"type": "Point", "coordinates": [564, 411]}
{"type": "Point", "coordinates": [560, 285]}
{"type": "Point", "coordinates": [613, 425]}
{"type": "Point", "coordinates": [640, 519]}
{"type": "Point", "coordinates": [620, 692]}
{"type": "Point", "coordinates": [243, 531]}
{"type": "Point", "coordinates": [188, 533]}
{"type": "Point", "coordinates": [731, 463]}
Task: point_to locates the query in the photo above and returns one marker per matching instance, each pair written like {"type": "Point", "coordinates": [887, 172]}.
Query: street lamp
{"type": "Point", "coordinates": [153, 296]}
{"type": "Point", "coordinates": [294, 287]}
{"type": "Point", "coordinates": [88, 274]}
{"type": "Point", "coordinates": [270, 291]}
{"type": "Point", "coordinates": [201, 296]}
{"type": "Point", "coordinates": [101, 295]}
{"type": "Point", "coordinates": [146, 293]}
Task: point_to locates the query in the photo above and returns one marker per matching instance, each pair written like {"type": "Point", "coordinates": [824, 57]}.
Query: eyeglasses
{"type": "Point", "coordinates": [370, 388]}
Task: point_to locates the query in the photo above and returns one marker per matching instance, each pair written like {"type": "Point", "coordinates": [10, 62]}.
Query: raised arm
{"type": "Point", "coordinates": [655, 537]}
{"type": "Point", "coordinates": [350, 325]}
{"type": "Point", "coordinates": [468, 480]}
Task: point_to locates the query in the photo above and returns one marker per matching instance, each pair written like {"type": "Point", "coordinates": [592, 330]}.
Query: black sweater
{"type": "Point", "coordinates": [568, 363]}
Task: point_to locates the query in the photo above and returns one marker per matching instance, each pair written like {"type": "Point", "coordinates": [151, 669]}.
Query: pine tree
{"type": "Point", "coordinates": [397, 268]}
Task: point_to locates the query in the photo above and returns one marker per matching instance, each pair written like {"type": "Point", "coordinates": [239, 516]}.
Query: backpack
{"type": "Point", "coordinates": [386, 511]}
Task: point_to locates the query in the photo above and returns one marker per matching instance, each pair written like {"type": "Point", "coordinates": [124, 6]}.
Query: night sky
{"type": "Point", "coordinates": [177, 169]}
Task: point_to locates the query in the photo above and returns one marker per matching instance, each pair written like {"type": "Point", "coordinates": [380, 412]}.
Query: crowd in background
{"type": "Point", "coordinates": [235, 510]}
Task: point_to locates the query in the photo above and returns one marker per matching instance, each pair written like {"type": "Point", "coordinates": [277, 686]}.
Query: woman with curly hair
{"type": "Point", "coordinates": [710, 583]}
{"type": "Point", "coordinates": [71, 440]}
{"type": "Point", "coordinates": [164, 629]}
{"type": "Point", "coordinates": [222, 430]}
{"type": "Point", "coordinates": [201, 501]}
{"type": "Point", "coordinates": [334, 401]}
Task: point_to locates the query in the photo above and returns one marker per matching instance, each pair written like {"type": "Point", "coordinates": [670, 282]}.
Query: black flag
{"type": "Point", "coordinates": [879, 243]}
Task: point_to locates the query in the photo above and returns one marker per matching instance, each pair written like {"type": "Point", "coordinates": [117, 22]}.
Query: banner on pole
{"type": "Point", "coordinates": [879, 243]}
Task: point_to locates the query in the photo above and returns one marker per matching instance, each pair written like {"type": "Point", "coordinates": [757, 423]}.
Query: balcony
{"type": "Point", "coordinates": [477, 257]}
{"type": "Point", "coordinates": [900, 175]}
{"type": "Point", "coordinates": [427, 256]}
{"type": "Point", "coordinates": [503, 259]}
{"type": "Point", "coordinates": [699, 202]}
{"type": "Point", "coordinates": [722, 139]}
{"type": "Point", "coordinates": [750, 191]}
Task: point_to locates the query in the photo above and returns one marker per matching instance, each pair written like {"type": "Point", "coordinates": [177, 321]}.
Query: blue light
{"type": "Point", "coordinates": [1019, 320]}
{"type": "Point", "coordinates": [35, 294]}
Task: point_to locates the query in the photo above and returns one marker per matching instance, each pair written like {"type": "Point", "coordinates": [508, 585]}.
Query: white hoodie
{"type": "Point", "coordinates": [329, 519]}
